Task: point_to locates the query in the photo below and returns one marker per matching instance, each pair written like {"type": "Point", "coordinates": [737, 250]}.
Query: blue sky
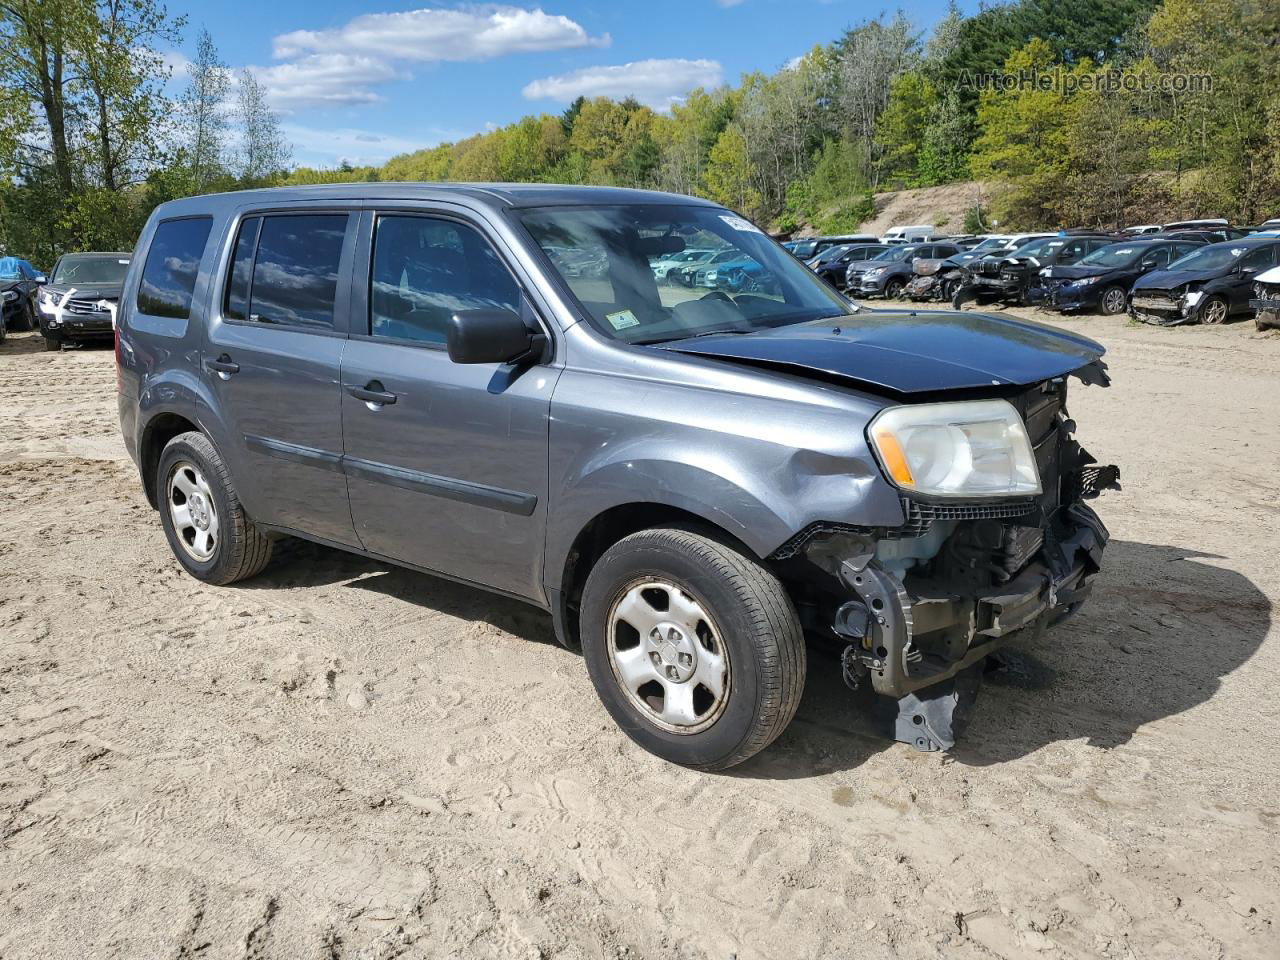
{"type": "Point", "coordinates": [364, 83]}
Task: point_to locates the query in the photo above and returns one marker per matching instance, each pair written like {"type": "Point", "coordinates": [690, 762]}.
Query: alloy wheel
{"type": "Point", "coordinates": [193, 510]}
{"type": "Point", "coordinates": [668, 656]}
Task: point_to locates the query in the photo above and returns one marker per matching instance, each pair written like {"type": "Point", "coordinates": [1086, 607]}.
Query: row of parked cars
{"type": "Point", "coordinates": [1203, 271]}
{"type": "Point", "coordinates": [74, 303]}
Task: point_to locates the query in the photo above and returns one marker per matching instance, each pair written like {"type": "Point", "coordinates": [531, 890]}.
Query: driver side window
{"type": "Point", "coordinates": [426, 269]}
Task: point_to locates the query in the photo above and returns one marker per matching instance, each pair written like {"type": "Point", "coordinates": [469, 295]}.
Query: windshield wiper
{"type": "Point", "coordinates": [691, 336]}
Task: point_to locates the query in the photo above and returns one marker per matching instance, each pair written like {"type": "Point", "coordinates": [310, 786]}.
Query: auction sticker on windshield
{"type": "Point", "coordinates": [622, 319]}
{"type": "Point", "coordinates": [738, 223]}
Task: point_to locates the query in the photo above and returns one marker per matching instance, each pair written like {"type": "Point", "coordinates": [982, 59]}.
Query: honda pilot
{"type": "Point", "coordinates": [701, 487]}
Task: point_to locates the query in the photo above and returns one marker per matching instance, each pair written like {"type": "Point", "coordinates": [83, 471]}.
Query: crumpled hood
{"type": "Point", "coordinates": [1079, 271]}
{"type": "Point", "coordinates": [911, 351]}
{"type": "Point", "coordinates": [1172, 279]}
{"type": "Point", "coordinates": [1268, 276]}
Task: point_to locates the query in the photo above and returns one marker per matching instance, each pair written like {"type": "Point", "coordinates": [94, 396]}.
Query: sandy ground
{"type": "Point", "coordinates": [341, 759]}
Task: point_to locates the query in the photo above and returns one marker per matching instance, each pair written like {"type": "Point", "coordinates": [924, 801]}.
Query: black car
{"type": "Point", "coordinates": [889, 273]}
{"type": "Point", "coordinates": [806, 249]}
{"type": "Point", "coordinates": [833, 267]}
{"type": "Point", "coordinates": [79, 301]}
{"type": "Point", "coordinates": [1208, 285]}
{"type": "Point", "coordinates": [19, 283]}
{"type": "Point", "coordinates": [1015, 278]}
{"type": "Point", "coordinates": [1102, 280]}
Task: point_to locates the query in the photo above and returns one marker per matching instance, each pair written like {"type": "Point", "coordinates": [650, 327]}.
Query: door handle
{"type": "Point", "coordinates": [224, 366]}
{"type": "Point", "coordinates": [373, 392]}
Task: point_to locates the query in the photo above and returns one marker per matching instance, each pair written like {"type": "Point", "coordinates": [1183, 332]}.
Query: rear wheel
{"type": "Point", "coordinates": [1113, 300]}
{"type": "Point", "coordinates": [694, 648]}
{"type": "Point", "coordinates": [1214, 311]}
{"type": "Point", "coordinates": [203, 520]}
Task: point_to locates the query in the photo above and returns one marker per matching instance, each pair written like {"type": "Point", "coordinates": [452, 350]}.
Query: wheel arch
{"type": "Point", "coordinates": [159, 430]}
{"type": "Point", "coordinates": [604, 530]}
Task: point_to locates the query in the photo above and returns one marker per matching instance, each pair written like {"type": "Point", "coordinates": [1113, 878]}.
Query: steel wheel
{"type": "Point", "coordinates": [193, 511]}
{"type": "Point", "coordinates": [668, 657]}
{"type": "Point", "coordinates": [1114, 301]}
{"type": "Point", "coordinates": [1214, 311]}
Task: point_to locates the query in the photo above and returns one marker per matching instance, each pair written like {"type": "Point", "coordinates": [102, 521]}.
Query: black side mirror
{"type": "Point", "coordinates": [491, 336]}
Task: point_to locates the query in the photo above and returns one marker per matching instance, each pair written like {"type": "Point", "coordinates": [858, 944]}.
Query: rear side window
{"type": "Point", "coordinates": [1258, 259]}
{"type": "Point", "coordinates": [284, 270]}
{"type": "Point", "coordinates": [295, 272]}
{"type": "Point", "coordinates": [425, 269]}
{"type": "Point", "coordinates": [169, 275]}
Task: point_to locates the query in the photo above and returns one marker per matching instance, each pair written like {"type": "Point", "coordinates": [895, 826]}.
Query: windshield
{"type": "Point", "coordinates": [95, 269]}
{"type": "Point", "coordinates": [1216, 257]}
{"type": "Point", "coordinates": [804, 248]}
{"type": "Point", "coordinates": [1040, 248]}
{"type": "Point", "coordinates": [1117, 255]}
{"type": "Point", "coordinates": [991, 243]}
{"type": "Point", "coordinates": [834, 253]}
{"type": "Point", "coordinates": [895, 254]}
{"type": "Point", "coordinates": [754, 284]}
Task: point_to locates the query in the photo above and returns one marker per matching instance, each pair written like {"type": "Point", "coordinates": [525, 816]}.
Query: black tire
{"type": "Point", "coordinates": [32, 322]}
{"type": "Point", "coordinates": [1214, 310]}
{"type": "Point", "coordinates": [3, 331]}
{"type": "Point", "coordinates": [752, 617]}
{"type": "Point", "coordinates": [241, 550]}
{"type": "Point", "coordinates": [893, 289]}
{"type": "Point", "coordinates": [52, 344]}
{"type": "Point", "coordinates": [1107, 301]}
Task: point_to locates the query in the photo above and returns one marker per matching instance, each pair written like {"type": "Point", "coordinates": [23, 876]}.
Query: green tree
{"type": "Point", "coordinates": [264, 153]}
{"type": "Point", "coordinates": [728, 174]}
{"type": "Point", "coordinates": [203, 123]}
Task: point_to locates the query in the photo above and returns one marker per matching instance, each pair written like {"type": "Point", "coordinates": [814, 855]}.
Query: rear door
{"type": "Point", "coordinates": [272, 362]}
{"type": "Point", "coordinates": [448, 470]}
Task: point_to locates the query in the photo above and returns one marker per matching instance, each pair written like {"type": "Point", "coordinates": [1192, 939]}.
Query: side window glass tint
{"type": "Point", "coordinates": [425, 270]}
{"type": "Point", "coordinates": [1257, 259]}
{"type": "Point", "coordinates": [169, 275]}
{"type": "Point", "coordinates": [236, 304]}
{"type": "Point", "coordinates": [295, 274]}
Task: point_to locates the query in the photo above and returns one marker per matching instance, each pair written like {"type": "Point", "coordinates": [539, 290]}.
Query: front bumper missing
{"type": "Point", "coordinates": [886, 621]}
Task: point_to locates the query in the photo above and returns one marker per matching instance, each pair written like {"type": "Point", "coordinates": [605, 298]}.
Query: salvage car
{"type": "Point", "coordinates": [1208, 285]}
{"type": "Point", "coordinates": [78, 304]}
{"type": "Point", "coordinates": [1015, 277]}
{"type": "Point", "coordinates": [834, 268]}
{"type": "Point", "coordinates": [402, 371]}
{"type": "Point", "coordinates": [19, 285]}
{"type": "Point", "coordinates": [670, 269]}
{"type": "Point", "coordinates": [888, 273]}
{"type": "Point", "coordinates": [1266, 299]}
{"type": "Point", "coordinates": [1102, 280]}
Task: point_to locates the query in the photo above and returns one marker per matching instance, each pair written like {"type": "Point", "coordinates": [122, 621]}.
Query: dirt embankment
{"type": "Point", "coordinates": [343, 759]}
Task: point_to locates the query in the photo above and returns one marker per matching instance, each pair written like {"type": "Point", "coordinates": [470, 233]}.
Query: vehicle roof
{"type": "Point", "coordinates": [494, 195]}
{"type": "Point", "coordinates": [1253, 241]}
{"type": "Point", "coordinates": [98, 253]}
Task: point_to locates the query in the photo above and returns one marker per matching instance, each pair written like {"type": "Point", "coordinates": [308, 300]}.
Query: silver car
{"type": "Point", "coordinates": [699, 487]}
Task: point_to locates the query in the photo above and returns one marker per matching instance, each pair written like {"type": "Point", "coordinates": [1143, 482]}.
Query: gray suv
{"type": "Point", "coordinates": [701, 487]}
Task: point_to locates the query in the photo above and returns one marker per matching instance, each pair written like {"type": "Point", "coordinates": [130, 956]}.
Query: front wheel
{"type": "Point", "coordinates": [52, 344]}
{"type": "Point", "coordinates": [893, 289]}
{"type": "Point", "coordinates": [1214, 311]}
{"type": "Point", "coordinates": [203, 520]}
{"type": "Point", "coordinates": [694, 648]}
{"type": "Point", "coordinates": [1113, 300]}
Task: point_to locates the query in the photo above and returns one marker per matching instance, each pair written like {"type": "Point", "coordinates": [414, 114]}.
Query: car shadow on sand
{"type": "Point", "coordinates": [1164, 627]}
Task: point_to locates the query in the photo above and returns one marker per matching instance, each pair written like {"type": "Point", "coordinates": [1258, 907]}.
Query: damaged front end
{"type": "Point", "coordinates": [1266, 300]}
{"type": "Point", "coordinates": [918, 607]}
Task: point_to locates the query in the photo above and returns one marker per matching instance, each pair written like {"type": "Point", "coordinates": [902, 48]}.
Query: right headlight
{"type": "Point", "coordinates": [972, 448]}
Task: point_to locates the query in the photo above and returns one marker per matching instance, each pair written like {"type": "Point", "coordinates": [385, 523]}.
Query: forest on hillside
{"type": "Point", "coordinates": [1078, 112]}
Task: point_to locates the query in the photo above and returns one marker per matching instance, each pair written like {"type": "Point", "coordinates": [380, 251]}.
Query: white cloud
{"type": "Point", "coordinates": [324, 80]}
{"type": "Point", "coordinates": [656, 83]}
{"type": "Point", "coordinates": [328, 147]}
{"type": "Point", "coordinates": [426, 35]}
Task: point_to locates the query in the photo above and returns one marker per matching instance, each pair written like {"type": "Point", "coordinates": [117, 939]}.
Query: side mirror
{"type": "Point", "coordinates": [490, 336]}
{"type": "Point", "coordinates": [1149, 264]}
{"type": "Point", "coordinates": [42, 279]}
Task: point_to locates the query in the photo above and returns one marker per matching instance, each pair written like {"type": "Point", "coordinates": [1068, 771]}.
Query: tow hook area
{"type": "Point", "coordinates": [933, 719]}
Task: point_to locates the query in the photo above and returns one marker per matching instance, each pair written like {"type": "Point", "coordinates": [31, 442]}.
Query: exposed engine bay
{"type": "Point", "coordinates": [918, 607]}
